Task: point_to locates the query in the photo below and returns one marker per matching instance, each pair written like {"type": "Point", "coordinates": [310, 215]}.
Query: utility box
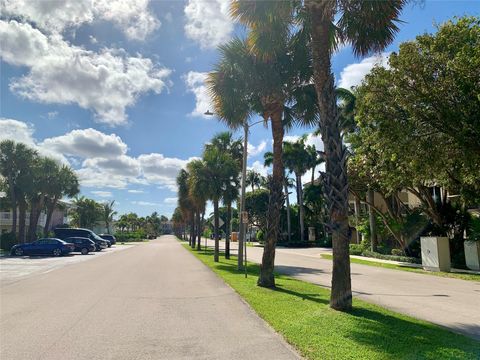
{"type": "Point", "coordinates": [435, 253]}
{"type": "Point", "coordinates": [311, 234]}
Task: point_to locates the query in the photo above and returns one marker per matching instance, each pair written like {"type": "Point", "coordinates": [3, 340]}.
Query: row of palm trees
{"type": "Point", "coordinates": [214, 177]}
{"type": "Point", "coordinates": [151, 224]}
{"type": "Point", "coordinates": [33, 183]}
{"type": "Point", "coordinates": [282, 71]}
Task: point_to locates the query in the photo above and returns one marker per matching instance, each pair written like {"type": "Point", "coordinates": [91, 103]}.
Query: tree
{"type": "Point", "coordinates": [86, 212]}
{"type": "Point", "coordinates": [108, 213]}
{"type": "Point", "coordinates": [368, 26]}
{"type": "Point", "coordinates": [198, 187]}
{"type": "Point", "coordinates": [254, 179]}
{"type": "Point", "coordinates": [220, 169]}
{"type": "Point", "coordinates": [64, 183]}
{"type": "Point", "coordinates": [185, 202]}
{"type": "Point", "coordinates": [256, 204]}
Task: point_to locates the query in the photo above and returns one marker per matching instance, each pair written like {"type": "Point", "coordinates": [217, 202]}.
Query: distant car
{"type": "Point", "coordinates": [63, 233]}
{"type": "Point", "coordinates": [45, 246]}
{"type": "Point", "coordinates": [83, 245]}
{"type": "Point", "coordinates": [110, 238]}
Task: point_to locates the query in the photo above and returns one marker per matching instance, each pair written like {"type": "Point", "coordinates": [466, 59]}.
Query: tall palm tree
{"type": "Point", "coordinates": [254, 179]}
{"type": "Point", "coordinates": [108, 213]}
{"type": "Point", "coordinates": [219, 167]}
{"type": "Point", "coordinates": [368, 26]}
{"type": "Point", "coordinates": [65, 183]}
{"type": "Point", "coordinates": [185, 202]}
{"type": "Point", "coordinates": [198, 188]}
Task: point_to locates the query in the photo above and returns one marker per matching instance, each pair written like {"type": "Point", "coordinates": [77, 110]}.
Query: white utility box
{"type": "Point", "coordinates": [472, 254]}
{"type": "Point", "coordinates": [435, 253]}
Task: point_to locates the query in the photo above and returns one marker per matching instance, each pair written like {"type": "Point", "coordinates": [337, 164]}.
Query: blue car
{"type": "Point", "coordinates": [46, 246]}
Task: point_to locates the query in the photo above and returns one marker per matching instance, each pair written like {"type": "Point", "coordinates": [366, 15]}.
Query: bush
{"type": "Point", "coordinates": [356, 249]}
{"type": "Point", "coordinates": [376, 255]}
{"type": "Point", "coordinates": [134, 236]}
{"type": "Point", "coordinates": [7, 240]}
{"type": "Point", "coordinates": [398, 252]}
{"type": "Point", "coordinates": [260, 236]}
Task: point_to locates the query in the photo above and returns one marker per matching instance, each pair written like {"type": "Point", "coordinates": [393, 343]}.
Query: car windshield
{"type": "Point", "coordinates": [96, 237]}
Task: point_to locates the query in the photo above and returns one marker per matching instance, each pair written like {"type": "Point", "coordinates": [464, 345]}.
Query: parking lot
{"type": "Point", "coordinates": [14, 268]}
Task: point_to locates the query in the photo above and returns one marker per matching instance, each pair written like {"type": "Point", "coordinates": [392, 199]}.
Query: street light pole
{"type": "Point", "coordinates": [241, 237]}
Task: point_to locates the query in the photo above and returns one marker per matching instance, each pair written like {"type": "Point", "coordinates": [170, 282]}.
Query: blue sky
{"type": "Point", "coordinates": [115, 88]}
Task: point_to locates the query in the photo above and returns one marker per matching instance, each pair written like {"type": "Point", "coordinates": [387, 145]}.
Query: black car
{"type": "Point", "coordinates": [110, 238]}
{"type": "Point", "coordinates": [63, 233]}
{"type": "Point", "coordinates": [46, 246]}
{"type": "Point", "coordinates": [83, 245]}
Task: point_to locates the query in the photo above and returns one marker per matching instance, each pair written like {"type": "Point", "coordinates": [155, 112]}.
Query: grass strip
{"type": "Point", "coordinates": [462, 276]}
{"type": "Point", "coordinates": [299, 311]}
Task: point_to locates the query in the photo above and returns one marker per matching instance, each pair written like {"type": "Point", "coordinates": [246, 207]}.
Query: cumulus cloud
{"type": "Point", "coordinates": [259, 168]}
{"type": "Point", "coordinates": [106, 82]}
{"type": "Point", "coordinates": [170, 200]}
{"type": "Point", "coordinates": [195, 82]}
{"type": "Point", "coordinates": [135, 191]}
{"type": "Point", "coordinates": [257, 150]}
{"type": "Point", "coordinates": [353, 74]}
{"type": "Point", "coordinates": [208, 22]}
{"type": "Point", "coordinates": [100, 193]}
{"type": "Point", "coordinates": [145, 203]}
{"type": "Point", "coordinates": [131, 16]}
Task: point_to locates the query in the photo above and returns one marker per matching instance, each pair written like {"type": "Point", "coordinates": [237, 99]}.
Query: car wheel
{"type": "Point", "coordinates": [57, 252]}
{"type": "Point", "coordinates": [109, 245]}
{"type": "Point", "coordinates": [19, 252]}
{"type": "Point", "coordinates": [84, 251]}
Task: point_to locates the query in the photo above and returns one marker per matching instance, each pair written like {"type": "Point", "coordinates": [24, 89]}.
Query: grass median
{"type": "Point", "coordinates": [462, 276]}
{"type": "Point", "coordinates": [299, 311]}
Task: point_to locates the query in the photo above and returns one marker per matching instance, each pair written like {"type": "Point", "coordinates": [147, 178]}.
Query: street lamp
{"type": "Point", "coordinates": [242, 243]}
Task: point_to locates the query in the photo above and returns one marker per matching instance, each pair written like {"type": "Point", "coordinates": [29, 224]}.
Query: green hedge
{"type": "Point", "coordinates": [7, 240]}
{"type": "Point", "coordinates": [356, 249]}
{"type": "Point", "coordinates": [130, 236]}
{"type": "Point", "coordinates": [376, 255]}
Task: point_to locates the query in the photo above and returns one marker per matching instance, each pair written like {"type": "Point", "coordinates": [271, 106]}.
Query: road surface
{"type": "Point", "coordinates": [151, 301]}
{"type": "Point", "coordinates": [451, 303]}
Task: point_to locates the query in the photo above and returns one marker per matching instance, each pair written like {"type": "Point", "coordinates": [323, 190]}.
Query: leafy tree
{"type": "Point", "coordinates": [86, 212]}
{"type": "Point", "coordinates": [256, 204]}
{"type": "Point", "coordinates": [108, 213]}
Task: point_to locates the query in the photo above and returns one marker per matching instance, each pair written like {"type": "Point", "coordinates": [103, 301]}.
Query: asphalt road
{"type": "Point", "coordinates": [448, 302]}
{"type": "Point", "coordinates": [151, 301]}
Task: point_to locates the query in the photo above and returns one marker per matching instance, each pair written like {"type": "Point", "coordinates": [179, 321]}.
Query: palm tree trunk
{"type": "Point", "coordinates": [22, 214]}
{"type": "Point", "coordinates": [289, 222]}
{"type": "Point", "coordinates": [35, 208]}
{"type": "Point", "coordinates": [215, 230]}
{"type": "Point", "coordinates": [13, 198]}
{"type": "Point", "coordinates": [194, 232]}
{"type": "Point", "coordinates": [357, 219]}
{"type": "Point", "coordinates": [336, 184]}
{"type": "Point", "coordinates": [313, 175]}
{"type": "Point", "coordinates": [227, 230]}
{"type": "Point", "coordinates": [50, 208]}
{"type": "Point", "coordinates": [266, 278]}
{"type": "Point", "coordinates": [199, 229]}
{"type": "Point", "coordinates": [301, 208]}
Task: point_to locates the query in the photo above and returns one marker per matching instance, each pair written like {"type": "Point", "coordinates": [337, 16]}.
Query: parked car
{"type": "Point", "coordinates": [45, 246]}
{"type": "Point", "coordinates": [108, 237]}
{"type": "Point", "coordinates": [83, 245]}
{"type": "Point", "coordinates": [63, 233]}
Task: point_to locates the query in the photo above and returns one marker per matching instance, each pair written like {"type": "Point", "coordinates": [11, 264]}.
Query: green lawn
{"type": "Point", "coordinates": [463, 276]}
{"type": "Point", "coordinates": [299, 311]}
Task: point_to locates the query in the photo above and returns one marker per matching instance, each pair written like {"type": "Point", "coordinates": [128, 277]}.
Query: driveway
{"type": "Point", "coordinates": [451, 303]}
{"type": "Point", "coordinates": [152, 301]}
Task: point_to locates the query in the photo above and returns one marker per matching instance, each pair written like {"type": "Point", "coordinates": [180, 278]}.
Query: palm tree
{"type": "Point", "coordinates": [65, 183]}
{"type": "Point", "coordinates": [198, 188]}
{"type": "Point", "coordinates": [86, 212]}
{"type": "Point", "coordinates": [108, 213]}
{"type": "Point", "coordinates": [254, 179]}
{"type": "Point", "coordinates": [368, 26]}
{"type": "Point", "coordinates": [297, 160]}
{"type": "Point", "coordinates": [219, 167]}
{"type": "Point", "coordinates": [185, 202]}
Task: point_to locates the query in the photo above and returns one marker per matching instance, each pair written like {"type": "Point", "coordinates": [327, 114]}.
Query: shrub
{"type": "Point", "coordinates": [356, 249]}
{"type": "Point", "coordinates": [376, 255]}
{"type": "Point", "coordinates": [260, 236]}
{"type": "Point", "coordinates": [7, 240]}
{"type": "Point", "coordinates": [398, 252]}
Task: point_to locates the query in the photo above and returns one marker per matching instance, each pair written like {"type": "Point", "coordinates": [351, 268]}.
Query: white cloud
{"type": "Point", "coordinates": [105, 194]}
{"type": "Point", "coordinates": [145, 203]}
{"type": "Point", "coordinates": [353, 74]}
{"type": "Point", "coordinates": [87, 143]}
{"type": "Point", "coordinates": [52, 115]}
{"type": "Point", "coordinates": [256, 150]}
{"type": "Point", "coordinates": [170, 200]}
{"type": "Point", "coordinates": [134, 191]}
{"type": "Point", "coordinates": [259, 168]}
{"type": "Point", "coordinates": [195, 82]}
{"type": "Point", "coordinates": [122, 165]}
{"type": "Point", "coordinates": [131, 16]}
{"type": "Point", "coordinates": [208, 22]}
{"type": "Point", "coordinates": [106, 82]}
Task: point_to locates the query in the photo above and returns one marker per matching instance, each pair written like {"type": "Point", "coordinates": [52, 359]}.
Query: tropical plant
{"type": "Point", "coordinates": [108, 213]}
{"type": "Point", "coordinates": [185, 203]}
{"type": "Point", "coordinates": [86, 212]}
{"type": "Point", "coordinates": [198, 185]}
{"type": "Point", "coordinates": [254, 179]}
{"type": "Point", "coordinates": [368, 26]}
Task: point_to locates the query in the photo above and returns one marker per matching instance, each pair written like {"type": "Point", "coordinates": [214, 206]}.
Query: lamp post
{"type": "Point", "coordinates": [242, 244]}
